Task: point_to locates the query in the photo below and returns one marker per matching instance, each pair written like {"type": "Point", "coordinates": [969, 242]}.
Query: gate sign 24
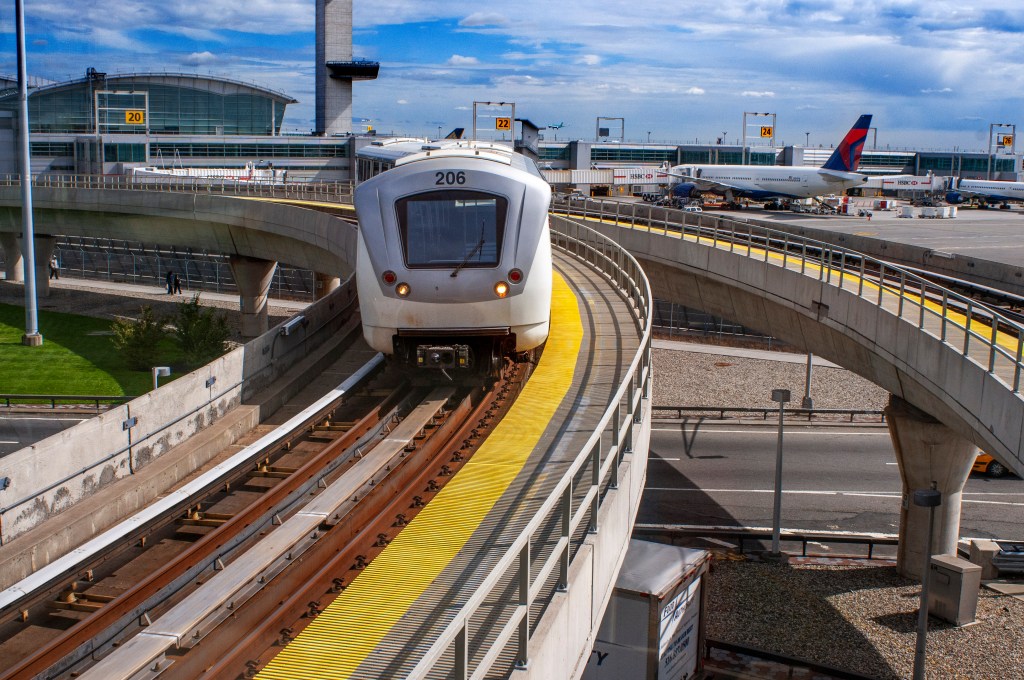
{"type": "Point", "coordinates": [502, 123]}
{"type": "Point", "coordinates": [766, 131]}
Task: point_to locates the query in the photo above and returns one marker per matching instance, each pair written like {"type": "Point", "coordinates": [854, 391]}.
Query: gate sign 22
{"type": "Point", "coordinates": [766, 130]}
{"type": "Point", "coordinates": [502, 123]}
{"type": "Point", "coordinates": [135, 117]}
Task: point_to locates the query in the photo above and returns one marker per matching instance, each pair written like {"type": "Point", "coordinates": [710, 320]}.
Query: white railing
{"type": "Point", "coordinates": [333, 192]}
{"type": "Point", "coordinates": [602, 453]}
{"type": "Point", "coordinates": [931, 308]}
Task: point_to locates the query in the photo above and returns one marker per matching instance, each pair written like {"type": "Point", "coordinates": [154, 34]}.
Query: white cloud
{"type": "Point", "coordinates": [589, 60]}
{"type": "Point", "coordinates": [201, 59]}
{"type": "Point", "coordinates": [459, 60]}
{"type": "Point", "coordinates": [942, 91]}
{"type": "Point", "coordinates": [694, 91]}
{"type": "Point", "coordinates": [752, 93]}
{"type": "Point", "coordinates": [402, 101]}
{"type": "Point", "coordinates": [484, 19]}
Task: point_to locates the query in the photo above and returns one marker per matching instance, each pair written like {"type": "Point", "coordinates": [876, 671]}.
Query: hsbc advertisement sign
{"type": "Point", "coordinates": [638, 176]}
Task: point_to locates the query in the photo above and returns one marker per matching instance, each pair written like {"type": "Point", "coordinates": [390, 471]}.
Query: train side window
{"type": "Point", "coordinates": [452, 228]}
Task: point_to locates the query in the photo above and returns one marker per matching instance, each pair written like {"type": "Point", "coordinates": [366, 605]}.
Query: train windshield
{"type": "Point", "coordinates": [452, 228]}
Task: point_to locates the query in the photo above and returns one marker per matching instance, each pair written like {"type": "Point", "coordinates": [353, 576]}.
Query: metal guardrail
{"type": "Point", "coordinates": [331, 192]}
{"type": "Point", "coordinates": [764, 412]}
{"type": "Point", "coordinates": [12, 400]}
{"type": "Point", "coordinates": [916, 299]}
{"type": "Point", "coordinates": [742, 536]}
{"type": "Point", "coordinates": [516, 565]}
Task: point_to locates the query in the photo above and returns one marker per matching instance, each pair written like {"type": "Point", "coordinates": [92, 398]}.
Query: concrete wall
{"type": "Point", "coordinates": [565, 634]}
{"type": "Point", "coordinates": [290, 234]}
{"type": "Point", "coordinates": [55, 474]}
{"type": "Point", "coordinates": [841, 327]}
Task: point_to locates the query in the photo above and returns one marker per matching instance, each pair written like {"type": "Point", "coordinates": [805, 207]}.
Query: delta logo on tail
{"type": "Point", "coordinates": [847, 157]}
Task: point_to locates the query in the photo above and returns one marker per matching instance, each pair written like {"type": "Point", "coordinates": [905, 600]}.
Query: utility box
{"type": "Point", "coordinates": [953, 589]}
{"type": "Point", "coordinates": [653, 628]}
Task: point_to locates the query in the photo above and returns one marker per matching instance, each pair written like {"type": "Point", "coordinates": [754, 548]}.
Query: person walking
{"type": "Point", "coordinates": [54, 267]}
{"type": "Point", "coordinates": [170, 281]}
{"type": "Point", "coordinates": [177, 284]}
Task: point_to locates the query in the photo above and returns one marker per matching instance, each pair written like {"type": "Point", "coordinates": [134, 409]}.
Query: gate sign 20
{"type": "Point", "coordinates": [135, 117]}
{"type": "Point", "coordinates": [766, 130]}
{"type": "Point", "coordinates": [502, 123]}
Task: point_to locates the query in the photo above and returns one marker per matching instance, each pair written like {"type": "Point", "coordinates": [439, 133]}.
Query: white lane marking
{"type": "Point", "coordinates": [859, 494]}
{"type": "Point", "coordinates": [664, 460]}
{"type": "Point", "coordinates": [15, 441]}
{"type": "Point", "coordinates": [790, 431]}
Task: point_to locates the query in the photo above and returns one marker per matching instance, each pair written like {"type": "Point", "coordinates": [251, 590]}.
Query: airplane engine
{"type": "Point", "coordinates": [685, 191]}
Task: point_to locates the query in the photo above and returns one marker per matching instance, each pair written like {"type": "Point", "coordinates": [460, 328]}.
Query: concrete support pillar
{"type": "Point", "coordinates": [252, 276]}
{"type": "Point", "coordinates": [928, 453]}
{"type": "Point", "coordinates": [44, 251]}
{"type": "Point", "coordinates": [12, 256]}
{"type": "Point", "coordinates": [323, 284]}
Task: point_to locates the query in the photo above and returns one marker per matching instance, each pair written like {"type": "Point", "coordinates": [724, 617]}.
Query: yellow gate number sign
{"type": "Point", "coordinates": [1007, 140]}
{"type": "Point", "coordinates": [766, 130]}
{"type": "Point", "coordinates": [135, 117]}
{"type": "Point", "coordinates": [502, 123]}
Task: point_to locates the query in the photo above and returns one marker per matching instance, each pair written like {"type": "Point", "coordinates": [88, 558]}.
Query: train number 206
{"type": "Point", "coordinates": [450, 177]}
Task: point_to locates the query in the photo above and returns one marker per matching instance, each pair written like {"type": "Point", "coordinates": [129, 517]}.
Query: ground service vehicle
{"type": "Point", "coordinates": [454, 254]}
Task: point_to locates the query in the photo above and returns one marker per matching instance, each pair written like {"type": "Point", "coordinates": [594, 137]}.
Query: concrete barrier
{"type": "Point", "coordinates": [56, 473]}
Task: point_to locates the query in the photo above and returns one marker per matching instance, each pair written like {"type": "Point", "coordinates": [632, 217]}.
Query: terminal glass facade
{"type": "Point", "coordinates": [632, 155]}
{"type": "Point", "coordinates": [193, 106]}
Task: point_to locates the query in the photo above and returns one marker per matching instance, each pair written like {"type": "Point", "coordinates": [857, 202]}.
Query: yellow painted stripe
{"type": "Point", "coordinates": [342, 637]}
{"type": "Point", "coordinates": [295, 201]}
{"type": "Point", "coordinates": [1003, 339]}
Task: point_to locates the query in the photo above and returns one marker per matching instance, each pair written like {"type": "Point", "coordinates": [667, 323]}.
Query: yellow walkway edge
{"type": "Point", "coordinates": [339, 640]}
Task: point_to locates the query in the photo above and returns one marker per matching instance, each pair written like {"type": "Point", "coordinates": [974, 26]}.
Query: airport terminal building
{"type": "Point", "coordinates": [108, 124]}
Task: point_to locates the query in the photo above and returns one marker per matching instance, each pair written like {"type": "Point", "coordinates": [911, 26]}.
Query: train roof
{"type": "Point", "coordinates": [402, 151]}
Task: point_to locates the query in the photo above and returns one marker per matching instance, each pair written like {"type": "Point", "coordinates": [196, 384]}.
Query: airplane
{"type": "Point", "coordinates": [774, 181]}
{"type": "Point", "coordinates": [556, 126]}
{"type": "Point", "coordinates": [990, 191]}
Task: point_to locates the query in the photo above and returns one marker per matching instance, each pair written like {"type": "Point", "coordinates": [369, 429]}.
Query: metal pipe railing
{"type": "Point", "coordinates": [997, 338]}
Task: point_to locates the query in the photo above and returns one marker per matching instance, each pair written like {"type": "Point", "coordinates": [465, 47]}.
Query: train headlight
{"type": "Point", "coordinates": [389, 277]}
{"type": "Point", "coordinates": [402, 289]}
{"type": "Point", "coordinates": [501, 289]}
{"type": "Point", "coordinates": [515, 276]}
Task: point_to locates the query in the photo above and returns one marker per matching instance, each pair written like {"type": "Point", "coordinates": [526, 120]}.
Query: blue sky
{"type": "Point", "coordinates": [934, 74]}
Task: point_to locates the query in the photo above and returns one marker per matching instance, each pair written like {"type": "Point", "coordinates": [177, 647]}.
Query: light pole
{"type": "Point", "coordinates": [32, 337]}
{"type": "Point", "coordinates": [648, 136]}
{"type": "Point", "coordinates": [808, 142]}
{"type": "Point", "coordinates": [780, 396]}
{"type": "Point", "coordinates": [807, 402]}
{"type": "Point", "coordinates": [931, 499]}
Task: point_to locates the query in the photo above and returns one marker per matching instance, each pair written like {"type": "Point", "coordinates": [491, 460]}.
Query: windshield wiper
{"type": "Point", "coordinates": [476, 248]}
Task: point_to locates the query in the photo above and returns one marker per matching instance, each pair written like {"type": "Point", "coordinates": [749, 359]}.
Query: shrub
{"type": "Point", "coordinates": [137, 339]}
{"type": "Point", "coordinates": [202, 333]}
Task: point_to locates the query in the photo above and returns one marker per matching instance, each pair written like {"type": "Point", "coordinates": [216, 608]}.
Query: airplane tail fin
{"type": "Point", "coordinates": [456, 133]}
{"type": "Point", "coordinates": [847, 156]}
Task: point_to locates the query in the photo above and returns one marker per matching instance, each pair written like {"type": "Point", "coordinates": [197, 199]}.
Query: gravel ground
{"type": "Point", "coordinates": [860, 618]}
{"type": "Point", "coordinates": [697, 379]}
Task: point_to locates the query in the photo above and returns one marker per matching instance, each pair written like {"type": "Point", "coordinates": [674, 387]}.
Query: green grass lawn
{"type": "Point", "coordinates": [77, 357]}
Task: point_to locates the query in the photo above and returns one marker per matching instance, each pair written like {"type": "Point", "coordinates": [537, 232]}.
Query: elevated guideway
{"type": "Point", "coordinates": [952, 364]}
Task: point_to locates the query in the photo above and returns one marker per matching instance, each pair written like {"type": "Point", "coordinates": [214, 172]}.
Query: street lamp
{"type": "Point", "coordinates": [808, 142]}
{"type": "Point", "coordinates": [780, 396]}
{"type": "Point", "coordinates": [931, 499]}
{"type": "Point", "coordinates": [807, 402]}
{"type": "Point", "coordinates": [160, 371]}
{"type": "Point", "coordinates": [648, 136]}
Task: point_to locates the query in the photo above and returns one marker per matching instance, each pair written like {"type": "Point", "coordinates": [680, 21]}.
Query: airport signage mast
{"type": "Point", "coordinates": [766, 131]}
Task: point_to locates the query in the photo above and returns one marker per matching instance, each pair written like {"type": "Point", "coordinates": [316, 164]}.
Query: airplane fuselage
{"type": "Point", "coordinates": [771, 181]}
{"type": "Point", "coordinates": [993, 190]}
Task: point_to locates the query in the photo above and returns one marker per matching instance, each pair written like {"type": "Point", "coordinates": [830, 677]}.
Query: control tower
{"type": "Point", "coordinates": [335, 68]}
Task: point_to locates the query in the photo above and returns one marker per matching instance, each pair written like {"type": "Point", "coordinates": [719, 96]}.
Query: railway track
{"type": "Point", "coordinates": [301, 513]}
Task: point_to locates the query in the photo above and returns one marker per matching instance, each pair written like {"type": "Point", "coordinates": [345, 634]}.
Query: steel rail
{"type": "Point", "coordinates": [72, 562]}
{"type": "Point", "coordinates": [188, 622]}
